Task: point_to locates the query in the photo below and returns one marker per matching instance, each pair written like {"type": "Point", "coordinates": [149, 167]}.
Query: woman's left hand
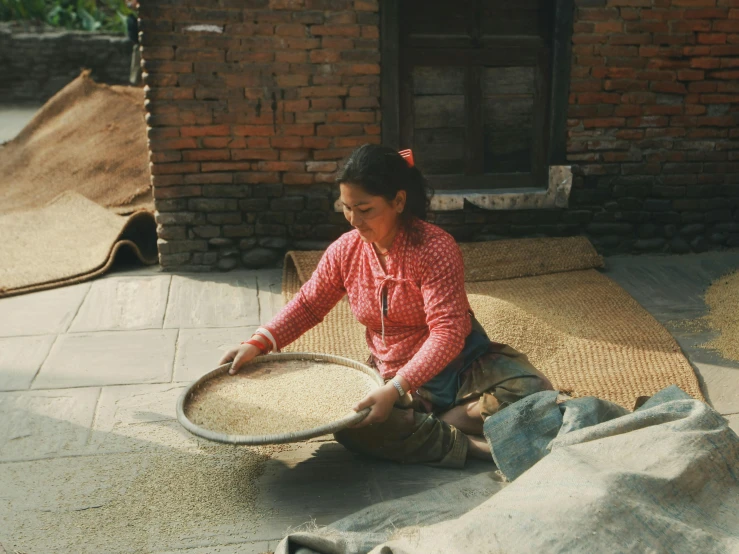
{"type": "Point", "coordinates": [380, 402]}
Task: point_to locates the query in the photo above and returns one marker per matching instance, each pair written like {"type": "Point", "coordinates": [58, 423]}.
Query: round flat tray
{"type": "Point", "coordinates": [296, 436]}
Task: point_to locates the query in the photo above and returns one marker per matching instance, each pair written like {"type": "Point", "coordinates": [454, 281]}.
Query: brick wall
{"type": "Point", "coordinates": [653, 129]}
{"type": "Point", "coordinates": [248, 119]}
{"type": "Point", "coordinates": [37, 63]}
{"type": "Point", "coordinates": [251, 110]}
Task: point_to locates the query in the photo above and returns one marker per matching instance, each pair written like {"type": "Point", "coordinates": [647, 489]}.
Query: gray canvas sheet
{"type": "Point", "coordinates": [580, 476]}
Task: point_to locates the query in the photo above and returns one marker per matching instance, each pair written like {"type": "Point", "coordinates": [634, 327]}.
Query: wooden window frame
{"type": "Point", "coordinates": [558, 66]}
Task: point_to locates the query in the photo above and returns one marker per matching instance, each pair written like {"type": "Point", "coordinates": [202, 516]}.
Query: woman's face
{"type": "Point", "coordinates": [374, 217]}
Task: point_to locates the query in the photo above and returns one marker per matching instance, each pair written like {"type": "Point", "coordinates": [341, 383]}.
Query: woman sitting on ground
{"type": "Point", "coordinates": [404, 279]}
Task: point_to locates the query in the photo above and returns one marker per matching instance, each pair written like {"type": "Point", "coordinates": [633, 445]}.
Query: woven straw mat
{"type": "Point", "coordinates": [70, 240]}
{"type": "Point", "coordinates": [544, 298]}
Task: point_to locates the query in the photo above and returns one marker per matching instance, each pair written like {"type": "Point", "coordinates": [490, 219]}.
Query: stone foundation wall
{"type": "Point", "coordinates": [36, 65]}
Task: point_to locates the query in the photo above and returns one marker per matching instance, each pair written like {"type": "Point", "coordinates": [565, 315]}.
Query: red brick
{"type": "Point", "coordinates": [254, 154]}
{"type": "Point", "coordinates": [705, 63]}
{"type": "Point", "coordinates": [251, 142]}
{"type": "Point", "coordinates": [659, 109]}
{"type": "Point", "coordinates": [253, 130]}
{"type": "Point", "coordinates": [298, 178]}
{"type": "Point", "coordinates": [727, 26]}
{"type": "Point", "coordinates": [336, 30]}
{"type": "Point", "coordinates": [694, 3]}
{"type": "Point", "coordinates": [158, 66]}
{"type": "Point", "coordinates": [325, 56]}
{"type": "Point", "coordinates": [655, 75]}
{"type": "Point", "coordinates": [353, 142]}
{"type": "Point", "coordinates": [725, 75]}
{"type": "Point", "coordinates": [697, 50]}
{"type": "Point", "coordinates": [702, 86]}
{"type": "Point", "coordinates": [630, 39]}
{"type": "Point", "coordinates": [639, 98]}
{"type": "Point", "coordinates": [360, 102]}
{"type": "Point", "coordinates": [628, 110]}
{"type": "Point", "coordinates": [205, 155]}
{"type": "Point", "coordinates": [597, 14]}
{"type": "Point", "coordinates": [167, 180]}
{"type": "Point", "coordinates": [612, 26]}
{"type": "Point", "coordinates": [589, 39]}
{"type": "Point", "coordinates": [288, 81]}
{"type": "Point", "coordinates": [206, 131]}
{"type": "Point", "coordinates": [370, 31]}
{"type": "Point", "coordinates": [177, 192]}
{"type": "Point", "coordinates": [372, 129]}
{"type": "Point", "coordinates": [167, 156]}
{"type": "Point", "coordinates": [295, 167]}
{"type": "Point", "coordinates": [351, 117]}
{"type": "Point", "coordinates": [332, 154]}
{"type": "Point", "coordinates": [648, 121]}
{"type": "Point", "coordinates": [249, 56]}
{"type": "Point", "coordinates": [173, 144]}
{"type": "Point", "coordinates": [687, 26]}
{"type": "Point", "coordinates": [302, 43]}
{"type": "Point", "coordinates": [662, 63]}
{"type": "Point", "coordinates": [629, 3]}
{"type": "Point", "coordinates": [338, 130]}
{"type": "Point", "coordinates": [255, 177]}
{"type": "Point", "coordinates": [286, 142]}
{"type": "Point", "coordinates": [648, 27]}
{"type": "Point", "coordinates": [630, 134]}
{"type": "Point", "coordinates": [333, 43]}
{"type": "Point", "coordinates": [730, 62]}
{"type": "Point", "coordinates": [325, 91]}
{"type": "Point", "coordinates": [225, 166]}
{"type": "Point", "coordinates": [694, 109]}
{"type": "Point", "coordinates": [215, 142]}
{"type": "Point", "coordinates": [321, 166]}
{"type": "Point", "coordinates": [291, 30]}
{"type": "Point", "coordinates": [711, 38]}
{"type": "Point", "coordinates": [367, 5]}
{"type": "Point", "coordinates": [168, 169]}
{"type": "Point", "coordinates": [310, 117]}
{"type": "Point", "coordinates": [294, 155]}
{"type": "Point", "coordinates": [604, 122]}
{"type": "Point", "coordinates": [720, 98]}
{"type": "Point", "coordinates": [690, 75]}
{"type": "Point", "coordinates": [288, 56]}
{"type": "Point", "coordinates": [298, 129]}
{"type": "Point", "coordinates": [158, 52]}
{"type": "Point", "coordinates": [661, 15]}
{"type": "Point", "coordinates": [316, 142]}
{"type": "Point", "coordinates": [725, 50]}
{"type": "Point", "coordinates": [286, 4]}
{"type": "Point", "coordinates": [295, 105]}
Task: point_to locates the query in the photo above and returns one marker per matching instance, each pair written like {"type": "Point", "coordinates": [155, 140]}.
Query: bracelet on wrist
{"type": "Point", "coordinates": [262, 348]}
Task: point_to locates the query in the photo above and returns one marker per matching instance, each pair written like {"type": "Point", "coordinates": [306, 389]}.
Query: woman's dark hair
{"type": "Point", "coordinates": [381, 171]}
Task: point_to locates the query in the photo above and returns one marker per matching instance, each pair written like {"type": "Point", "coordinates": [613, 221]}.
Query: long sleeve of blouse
{"type": "Point", "coordinates": [316, 298]}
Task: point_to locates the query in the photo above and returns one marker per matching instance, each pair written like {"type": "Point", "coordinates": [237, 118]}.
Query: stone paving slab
{"type": "Point", "coordinates": [721, 385]}
{"type": "Point", "coordinates": [124, 303]}
{"type": "Point", "coordinates": [136, 417]}
{"type": "Point", "coordinates": [212, 300]}
{"type": "Point", "coordinates": [109, 358]}
{"type": "Point", "coordinates": [733, 420]}
{"type": "Point", "coordinates": [41, 424]}
{"type": "Point", "coordinates": [200, 350]}
{"type": "Point", "coordinates": [270, 293]}
{"type": "Point", "coordinates": [260, 547]}
{"type": "Point", "coordinates": [20, 360]}
{"type": "Point", "coordinates": [41, 313]}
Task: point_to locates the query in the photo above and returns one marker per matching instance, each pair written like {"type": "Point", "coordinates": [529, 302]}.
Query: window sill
{"type": "Point", "coordinates": [557, 195]}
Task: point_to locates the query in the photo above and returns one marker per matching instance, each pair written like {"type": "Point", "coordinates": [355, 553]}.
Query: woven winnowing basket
{"type": "Point", "coordinates": [544, 298]}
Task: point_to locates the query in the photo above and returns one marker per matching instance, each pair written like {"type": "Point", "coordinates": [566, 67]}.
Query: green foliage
{"type": "Point", "coordinates": [81, 15]}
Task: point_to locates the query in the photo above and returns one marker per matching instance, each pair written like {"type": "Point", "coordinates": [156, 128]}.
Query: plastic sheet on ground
{"type": "Point", "coordinates": [584, 476]}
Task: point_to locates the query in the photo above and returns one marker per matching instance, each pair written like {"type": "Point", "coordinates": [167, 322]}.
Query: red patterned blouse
{"type": "Point", "coordinates": [426, 317]}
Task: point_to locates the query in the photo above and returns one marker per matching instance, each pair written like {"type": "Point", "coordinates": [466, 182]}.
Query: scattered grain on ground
{"type": "Point", "coordinates": [135, 502]}
{"type": "Point", "coordinates": [278, 397]}
{"type": "Point", "coordinates": [722, 298]}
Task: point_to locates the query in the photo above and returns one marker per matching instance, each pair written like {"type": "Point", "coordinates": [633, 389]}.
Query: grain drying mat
{"type": "Point", "coordinates": [545, 298]}
{"type": "Point", "coordinates": [276, 399]}
{"type": "Point", "coordinates": [70, 240]}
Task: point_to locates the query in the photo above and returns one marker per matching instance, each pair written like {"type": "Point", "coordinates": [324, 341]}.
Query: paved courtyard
{"type": "Point", "coordinates": [88, 437]}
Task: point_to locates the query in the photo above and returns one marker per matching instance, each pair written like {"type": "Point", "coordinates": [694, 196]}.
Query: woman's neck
{"type": "Point", "coordinates": [384, 244]}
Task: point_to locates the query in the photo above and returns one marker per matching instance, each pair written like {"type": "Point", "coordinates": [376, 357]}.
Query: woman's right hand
{"type": "Point", "coordinates": [239, 356]}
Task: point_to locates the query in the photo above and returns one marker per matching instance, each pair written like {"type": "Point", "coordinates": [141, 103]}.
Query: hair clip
{"type": "Point", "coordinates": [407, 155]}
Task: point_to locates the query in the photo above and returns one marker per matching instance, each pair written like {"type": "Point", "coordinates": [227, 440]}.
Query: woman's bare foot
{"type": "Point", "coordinates": [478, 448]}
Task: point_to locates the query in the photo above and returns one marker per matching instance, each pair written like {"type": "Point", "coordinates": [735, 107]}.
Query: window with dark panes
{"type": "Point", "coordinates": [473, 91]}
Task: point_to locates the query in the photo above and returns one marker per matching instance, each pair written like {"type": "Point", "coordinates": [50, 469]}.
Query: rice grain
{"type": "Point", "coordinates": [278, 397]}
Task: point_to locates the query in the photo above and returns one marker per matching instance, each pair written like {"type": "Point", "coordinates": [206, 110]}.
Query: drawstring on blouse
{"type": "Point", "coordinates": [383, 287]}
